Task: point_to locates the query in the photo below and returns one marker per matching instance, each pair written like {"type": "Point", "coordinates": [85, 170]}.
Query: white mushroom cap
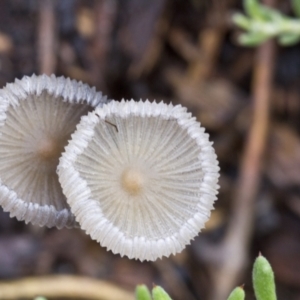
{"type": "Point", "coordinates": [37, 116]}
{"type": "Point", "coordinates": [140, 177]}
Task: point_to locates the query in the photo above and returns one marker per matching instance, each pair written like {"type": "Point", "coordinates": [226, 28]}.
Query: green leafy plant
{"type": "Point", "coordinates": [142, 293]}
{"type": "Point", "coordinates": [262, 23]}
{"type": "Point", "coordinates": [263, 280]}
{"type": "Point", "coordinates": [237, 294]}
{"type": "Point", "coordinates": [263, 284]}
{"type": "Point", "coordinates": [158, 293]}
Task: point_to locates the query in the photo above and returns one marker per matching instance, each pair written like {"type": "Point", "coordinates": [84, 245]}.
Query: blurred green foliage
{"type": "Point", "coordinates": [142, 293]}
{"type": "Point", "coordinates": [263, 284]}
{"type": "Point", "coordinates": [237, 294]}
{"type": "Point", "coordinates": [262, 23]}
{"type": "Point", "coordinates": [158, 293]}
{"type": "Point", "coordinates": [263, 280]}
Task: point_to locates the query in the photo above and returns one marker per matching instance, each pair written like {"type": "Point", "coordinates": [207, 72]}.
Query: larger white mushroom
{"type": "Point", "coordinates": [37, 116]}
{"type": "Point", "coordinates": [140, 177]}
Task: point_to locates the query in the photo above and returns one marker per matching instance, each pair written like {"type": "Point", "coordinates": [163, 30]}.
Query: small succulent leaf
{"type": "Point", "coordinates": [263, 280]}
{"type": "Point", "coordinates": [263, 22]}
{"type": "Point", "coordinates": [296, 7]}
{"type": "Point", "coordinates": [241, 21]}
{"type": "Point", "coordinates": [253, 9]}
{"type": "Point", "coordinates": [252, 39]}
{"type": "Point", "coordinates": [158, 293]}
{"type": "Point", "coordinates": [142, 293]}
{"type": "Point", "coordinates": [261, 12]}
{"type": "Point", "coordinates": [271, 14]}
{"type": "Point", "coordinates": [288, 39]}
{"type": "Point", "coordinates": [237, 294]}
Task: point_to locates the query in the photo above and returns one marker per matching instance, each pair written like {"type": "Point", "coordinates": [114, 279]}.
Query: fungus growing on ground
{"type": "Point", "coordinates": [37, 116]}
{"type": "Point", "coordinates": [140, 177]}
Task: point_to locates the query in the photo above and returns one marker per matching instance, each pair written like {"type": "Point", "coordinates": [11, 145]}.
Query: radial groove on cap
{"type": "Point", "coordinates": [140, 177]}
{"type": "Point", "coordinates": [37, 116]}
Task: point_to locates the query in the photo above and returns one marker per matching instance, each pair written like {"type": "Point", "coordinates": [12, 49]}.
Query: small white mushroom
{"type": "Point", "coordinates": [37, 116]}
{"type": "Point", "coordinates": [140, 177]}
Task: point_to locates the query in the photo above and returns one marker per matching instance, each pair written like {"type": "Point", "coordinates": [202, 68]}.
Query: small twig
{"type": "Point", "coordinates": [233, 253]}
{"type": "Point", "coordinates": [108, 122]}
{"type": "Point", "coordinates": [112, 125]}
{"type": "Point", "coordinates": [202, 57]}
{"type": "Point", "coordinates": [46, 38]}
{"type": "Point", "coordinates": [69, 287]}
{"type": "Point", "coordinates": [105, 15]}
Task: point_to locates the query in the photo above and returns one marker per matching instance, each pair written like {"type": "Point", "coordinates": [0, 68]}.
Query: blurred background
{"type": "Point", "coordinates": [184, 51]}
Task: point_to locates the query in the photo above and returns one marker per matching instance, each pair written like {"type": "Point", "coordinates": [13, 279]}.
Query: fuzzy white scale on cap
{"type": "Point", "coordinates": [37, 116]}
{"type": "Point", "coordinates": [140, 177]}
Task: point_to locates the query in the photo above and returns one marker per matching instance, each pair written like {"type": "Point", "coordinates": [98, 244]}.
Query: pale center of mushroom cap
{"type": "Point", "coordinates": [48, 148]}
{"type": "Point", "coordinates": [132, 181]}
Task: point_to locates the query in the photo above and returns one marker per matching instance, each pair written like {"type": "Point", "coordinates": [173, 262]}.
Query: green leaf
{"type": "Point", "coordinates": [271, 14]}
{"type": "Point", "coordinates": [142, 293]}
{"type": "Point", "coordinates": [263, 280]}
{"type": "Point", "coordinates": [241, 21]}
{"type": "Point", "coordinates": [252, 39]}
{"type": "Point", "coordinates": [261, 12]}
{"type": "Point", "coordinates": [237, 294]}
{"type": "Point", "coordinates": [296, 7]}
{"type": "Point", "coordinates": [253, 9]}
{"type": "Point", "coordinates": [158, 293]}
{"type": "Point", "coordinates": [288, 39]}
